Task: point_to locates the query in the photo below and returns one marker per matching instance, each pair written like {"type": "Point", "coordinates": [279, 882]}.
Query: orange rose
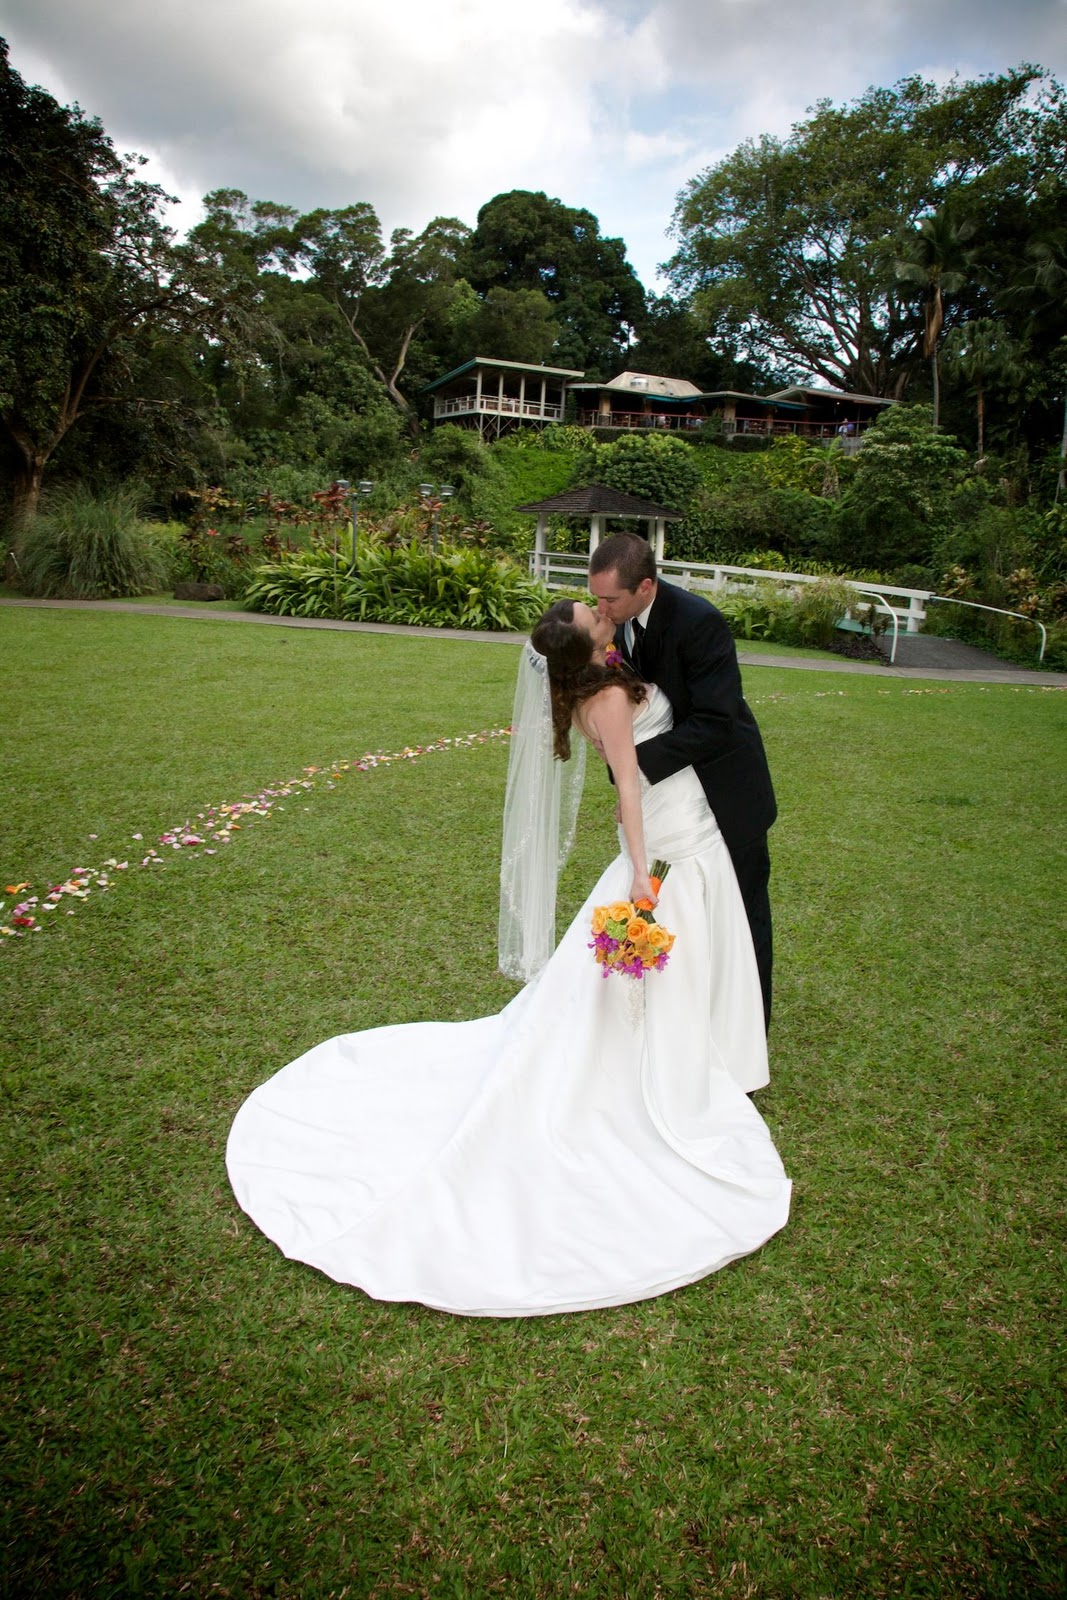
{"type": "Point", "coordinates": [637, 930]}
{"type": "Point", "coordinates": [600, 919]}
{"type": "Point", "coordinates": [621, 911]}
{"type": "Point", "coordinates": [659, 939]}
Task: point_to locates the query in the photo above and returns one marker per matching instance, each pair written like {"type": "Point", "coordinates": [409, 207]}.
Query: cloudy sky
{"type": "Point", "coordinates": [431, 107]}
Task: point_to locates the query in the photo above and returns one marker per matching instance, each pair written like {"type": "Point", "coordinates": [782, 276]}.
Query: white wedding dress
{"type": "Point", "coordinates": [589, 1146]}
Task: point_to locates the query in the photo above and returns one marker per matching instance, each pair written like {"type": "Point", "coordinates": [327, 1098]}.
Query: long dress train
{"type": "Point", "coordinates": [590, 1145]}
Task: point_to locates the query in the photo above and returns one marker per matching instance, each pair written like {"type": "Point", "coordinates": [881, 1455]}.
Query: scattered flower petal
{"type": "Point", "coordinates": [219, 822]}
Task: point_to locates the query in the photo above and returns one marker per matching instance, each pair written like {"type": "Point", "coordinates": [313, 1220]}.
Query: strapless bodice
{"type": "Point", "coordinates": [678, 822]}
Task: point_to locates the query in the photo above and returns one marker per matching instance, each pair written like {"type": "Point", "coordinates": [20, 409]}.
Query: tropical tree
{"type": "Point", "coordinates": [524, 240]}
{"type": "Point", "coordinates": [936, 258]}
{"type": "Point", "coordinates": [672, 341]}
{"type": "Point", "coordinates": [90, 281]}
{"type": "Point", "coordinates": [512, 324]}
{"type": "Point", "coordinates": [900, 504]}
{"type": "Point", "coordinates": [786, 247]}
{"type": "Point", "coordinates": [382, 299]}
{"type": "Point", "coordinates": [987, 357]}
{"type": "Point", "coordinates": [1037, 290]}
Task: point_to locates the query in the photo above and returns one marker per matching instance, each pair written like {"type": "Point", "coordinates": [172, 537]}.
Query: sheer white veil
{"type": "Point", "coordinates": [540, 812]}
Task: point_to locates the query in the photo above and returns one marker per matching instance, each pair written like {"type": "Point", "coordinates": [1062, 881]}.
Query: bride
{"type": "Point", "coordinates": [591, 1145]}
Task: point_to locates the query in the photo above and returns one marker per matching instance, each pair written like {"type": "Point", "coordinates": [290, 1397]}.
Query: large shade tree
{"type": "Point", "coordinates": [328, 277]}
{"type": "Point", "coordinates": [525, 240]}
{"type": "Point", "coordinates": [673, 341]}
{"type": "Point", "coordinates": [787, 247]}
{"type": "Point", "coordinates": [382, 298]}
{"type": "Point", "coordinates": [90, 282]}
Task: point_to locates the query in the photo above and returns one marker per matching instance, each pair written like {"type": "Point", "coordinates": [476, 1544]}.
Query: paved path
{"type": "Point", "coordinates": [918, 655]}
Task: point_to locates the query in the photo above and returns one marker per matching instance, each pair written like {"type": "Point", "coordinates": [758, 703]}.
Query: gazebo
{"type": "Point", "coordinates": [597, 502]}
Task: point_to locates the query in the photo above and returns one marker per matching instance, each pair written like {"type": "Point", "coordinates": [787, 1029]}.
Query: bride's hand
{"type": "Point", "coordinates": [641, 889]}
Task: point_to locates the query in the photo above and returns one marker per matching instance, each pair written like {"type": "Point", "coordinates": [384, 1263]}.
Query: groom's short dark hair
{"type": "Point", "coordinates": [627, 554]}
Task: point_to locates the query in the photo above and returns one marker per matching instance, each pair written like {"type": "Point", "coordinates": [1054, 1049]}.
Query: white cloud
{"type": "Point", "coordinates": [432, 108]}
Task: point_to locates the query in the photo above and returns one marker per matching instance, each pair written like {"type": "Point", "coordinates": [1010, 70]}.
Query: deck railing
{"type": "Point", "coordinates": [999, 611]}
{"type": "Point", "coordinates": [761, 427]}
{"type": "Point", "coordinates": [495, 405]}
{"type": "Point", "coordinates": [732, 427]}
{"type": "Point", "coordinates": [642, 420]}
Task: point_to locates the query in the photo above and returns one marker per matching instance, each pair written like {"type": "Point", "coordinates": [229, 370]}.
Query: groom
{"type": "Point", "coordinates": [681, 642]}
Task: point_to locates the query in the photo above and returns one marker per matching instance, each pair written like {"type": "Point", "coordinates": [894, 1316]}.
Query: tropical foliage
{"type": "Point", "coordinates": [529, 243]}
{"type": "Point", "coordinates": [907, 245]}
{"type": "Point", "coordinates": [89, 547]}
{"type": "Point", "coordinates": [654, 467]}
{"type": "Point", "coordinates": [447, 588]}
{"type": "Point", "coordinates": [789, 249]}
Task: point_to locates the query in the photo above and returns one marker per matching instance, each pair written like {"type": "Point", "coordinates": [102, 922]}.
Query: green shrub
{"type": "Point", "coordinates": [212, 555]}
{"type": "Point", "coordinates": [748, 513]}
{"type": "Point", "coordinates": [653, 466]}
{"type": "Point", "coordinates": [909, 492]}
{"type": "Point", "coordinates": [808, 615]}
{"type": "Point", "coordinates": [818, 608]}
{"type": "Point", "coordinates": [449, 588]}
{"type": "Point", "coordinates": [458, 456]}
{"type": "Point", "coordinates": [763, 612]}
{"type": "Point", "coordinates": [85, 546]}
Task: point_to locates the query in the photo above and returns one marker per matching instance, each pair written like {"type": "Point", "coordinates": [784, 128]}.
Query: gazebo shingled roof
{"type": "Point", "coordinates": [597, 500]}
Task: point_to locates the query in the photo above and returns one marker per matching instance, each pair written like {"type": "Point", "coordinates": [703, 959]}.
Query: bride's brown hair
{"type": "Point", "coordinates": [573, 675]}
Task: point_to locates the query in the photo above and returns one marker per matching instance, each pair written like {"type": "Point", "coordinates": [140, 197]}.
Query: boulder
{"type": "Point", "coordinates": [199, 591]}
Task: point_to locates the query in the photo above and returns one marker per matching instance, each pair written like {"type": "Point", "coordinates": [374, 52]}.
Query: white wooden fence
{"type": "Point", "coordinates": [904, 608]}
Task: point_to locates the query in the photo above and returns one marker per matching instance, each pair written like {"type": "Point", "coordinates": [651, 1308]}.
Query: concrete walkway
{"type": "Point", "coordinates": [918, 655]}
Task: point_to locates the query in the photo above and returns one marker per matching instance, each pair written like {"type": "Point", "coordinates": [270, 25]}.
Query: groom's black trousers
{"type": "Point", "coordinates": [752, 864]}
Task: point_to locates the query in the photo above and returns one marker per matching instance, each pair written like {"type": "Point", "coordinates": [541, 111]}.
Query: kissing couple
{"type": "Point", "coordinates": [594, 1143]}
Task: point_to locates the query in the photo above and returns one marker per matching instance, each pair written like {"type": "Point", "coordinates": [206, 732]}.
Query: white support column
{"type": "Point", "coordinates": [500, 394]}
{"type": "Point", "coordinates": [522, 394]}
{"type": "Point", "coordinates": [595, 526]}
{"type": "Point", "coordinates": [541, 546]}
{"type": "Point", "coordinates": [544, 392]}
{"type": "Point", "coordinates": [657, 543]}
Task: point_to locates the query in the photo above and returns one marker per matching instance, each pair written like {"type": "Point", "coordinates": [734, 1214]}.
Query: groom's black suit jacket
{"type": "Point", "coordinates": [689, 652]}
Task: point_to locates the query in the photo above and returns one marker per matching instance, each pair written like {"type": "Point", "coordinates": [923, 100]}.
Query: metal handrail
{"type": "Point", "coordinates": [892, 613]}
{"type": "Point", "coordinates": [950, 600]}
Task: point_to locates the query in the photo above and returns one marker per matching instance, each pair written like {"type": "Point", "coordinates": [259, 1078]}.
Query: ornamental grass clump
{"type": "Point", "coordinates": [86, 546]}
{"type": "Point", "coordinates": [818, 608]}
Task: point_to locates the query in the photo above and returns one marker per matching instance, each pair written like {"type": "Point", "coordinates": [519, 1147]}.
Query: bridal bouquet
{"type": "Point", "coordinates": [626, 936]}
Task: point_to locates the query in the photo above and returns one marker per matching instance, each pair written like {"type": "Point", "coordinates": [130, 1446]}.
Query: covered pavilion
{"type": "Point", "coordinates": [597, 503]}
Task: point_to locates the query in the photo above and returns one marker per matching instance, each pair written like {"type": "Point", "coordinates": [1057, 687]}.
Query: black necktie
{"type": "Point", "coordinates": [635, 653]}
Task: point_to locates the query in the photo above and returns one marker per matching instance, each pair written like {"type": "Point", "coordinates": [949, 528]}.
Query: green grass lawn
{"type": "Point", "coordinates": [870, 1406]}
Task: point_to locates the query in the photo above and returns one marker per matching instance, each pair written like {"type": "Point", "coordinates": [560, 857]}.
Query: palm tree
{"type": "Point", "coordinates": [936, 259]}
{"type": "Point", "coordinates": [985, 355]}
{"type": "Point", "coordinates": [1038, 285]}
